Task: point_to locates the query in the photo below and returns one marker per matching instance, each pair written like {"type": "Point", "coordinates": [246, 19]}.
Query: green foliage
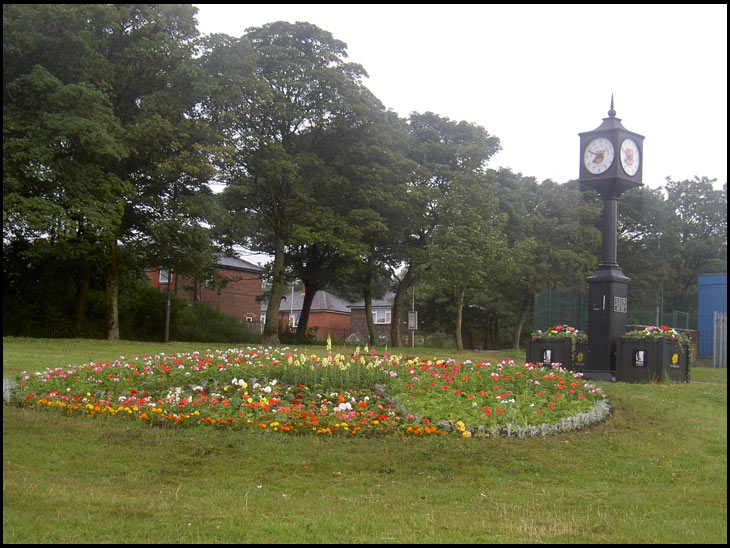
{"type": "Point", "coordinates": [200, 322]}
{"type": "Point", "coordinates": [100, 137]}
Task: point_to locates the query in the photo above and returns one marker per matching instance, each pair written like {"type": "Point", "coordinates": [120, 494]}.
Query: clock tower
{"type": "Point", "coordinates": [611, 159]}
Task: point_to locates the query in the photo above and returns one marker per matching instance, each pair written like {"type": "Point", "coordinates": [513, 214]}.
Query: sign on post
{"type": "Point", "coordinates": [413, 320]}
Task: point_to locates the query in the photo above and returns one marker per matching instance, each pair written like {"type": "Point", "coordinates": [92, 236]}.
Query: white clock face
{"type": "Point", "coordinates": [598, 155]}
{"type": "Point", "coordinates": [630, 157]}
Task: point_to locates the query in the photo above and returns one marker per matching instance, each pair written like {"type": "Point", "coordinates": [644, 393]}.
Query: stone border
{"type": "Point", "coordinates": [598, 413]}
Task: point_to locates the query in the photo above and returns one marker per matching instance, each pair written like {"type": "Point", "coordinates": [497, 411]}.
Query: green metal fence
{"type": "Point", "coordinates": [647, 306]}
{"type": "Point", "coordinates": [561, 306]}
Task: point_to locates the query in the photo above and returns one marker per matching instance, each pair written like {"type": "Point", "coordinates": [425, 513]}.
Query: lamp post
{"type": "Point", "coordinates": [611, 163]}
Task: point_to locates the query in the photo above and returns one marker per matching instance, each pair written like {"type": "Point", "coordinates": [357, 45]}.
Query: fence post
{"type": "Point", "coordinates": [719, 340]}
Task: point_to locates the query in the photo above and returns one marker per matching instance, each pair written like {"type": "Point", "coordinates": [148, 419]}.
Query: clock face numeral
{"type": "Point", "coordinates": [598, 155]}
{"type": "Point", "coordinates": [630, 157]}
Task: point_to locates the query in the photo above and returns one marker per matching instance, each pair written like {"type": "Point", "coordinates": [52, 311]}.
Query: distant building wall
{"type": "Point", "coordinates": [238, 298]}
{"type": "Point", "coordinates": [712, 297]}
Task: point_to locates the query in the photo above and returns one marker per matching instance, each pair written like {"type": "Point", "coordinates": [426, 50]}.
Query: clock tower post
{"type": "Point", "coordinates": [611, 159]}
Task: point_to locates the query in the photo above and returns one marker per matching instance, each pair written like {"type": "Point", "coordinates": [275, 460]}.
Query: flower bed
{"type": "Point", "coordinates": [286, 391]}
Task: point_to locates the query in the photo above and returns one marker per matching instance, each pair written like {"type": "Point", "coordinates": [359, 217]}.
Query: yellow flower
{"type": "Point", "coordinates": [467, 434]}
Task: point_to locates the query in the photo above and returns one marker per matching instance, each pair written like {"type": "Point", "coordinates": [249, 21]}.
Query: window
{"type": "Point", "coordinates": [164, 276]}
{"type": "Point", "coordinates": [381, 315]}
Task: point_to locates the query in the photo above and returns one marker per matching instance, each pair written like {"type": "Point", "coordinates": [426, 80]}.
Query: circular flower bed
{"type": "Point", "coordinates": [287, 391]}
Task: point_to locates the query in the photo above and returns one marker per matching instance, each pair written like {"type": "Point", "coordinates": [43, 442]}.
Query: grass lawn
{"type": "Point", "coordinates": [655, 471]}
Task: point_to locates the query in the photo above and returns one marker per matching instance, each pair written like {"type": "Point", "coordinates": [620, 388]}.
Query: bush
{"type": "Point", "coordinates": [439, 340]}
{"type": "Point", "coordinates": [199, 322]}
{"type": "Point", "coordinates": [142, 318]}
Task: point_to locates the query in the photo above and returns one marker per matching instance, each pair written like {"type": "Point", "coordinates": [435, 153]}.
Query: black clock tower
{"type": "Point", "coordinates": [611, 161]}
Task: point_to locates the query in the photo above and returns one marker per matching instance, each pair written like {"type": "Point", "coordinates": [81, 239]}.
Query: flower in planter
{"type": "Point", "coordinates": [560, 331]}
{"type": "Point", "coordinates": [662, 332]}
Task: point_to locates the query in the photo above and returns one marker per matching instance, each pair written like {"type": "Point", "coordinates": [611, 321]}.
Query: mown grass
{"type": "Point", "coordinates": [656, 471]}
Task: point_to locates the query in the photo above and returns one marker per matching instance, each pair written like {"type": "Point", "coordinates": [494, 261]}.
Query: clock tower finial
{"type": "Point", "coordinates": [612, 113]}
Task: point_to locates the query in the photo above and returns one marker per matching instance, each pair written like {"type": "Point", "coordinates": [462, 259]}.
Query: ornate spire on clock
{"type": "Point", "coordinates": [612, 113]}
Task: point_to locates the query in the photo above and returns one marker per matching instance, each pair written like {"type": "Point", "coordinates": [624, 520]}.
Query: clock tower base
{"type": "Point", "coordinates": [608, 292]}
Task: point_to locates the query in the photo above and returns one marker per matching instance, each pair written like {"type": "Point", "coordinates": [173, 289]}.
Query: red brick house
{"type": "Point", "coordinates": [381, 317]}
{"type": "Point", "coordinates": [239, 295]}
{"type": "Point", "coordinates": [329, 314]}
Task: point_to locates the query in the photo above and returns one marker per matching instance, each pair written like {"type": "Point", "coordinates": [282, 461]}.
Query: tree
{"type": "Point", "coordinates": [467, 249]}
{"type": "Point", "coordinates": [61, 140]}
{"type": "Point", "coordinates": [289, 86]}
{"type": "Point", "coordinates": [668, 236]}
{"type": "Point", "coordinates": [113, 89]}
{"type": "Point", "coordinates": [442, 150]}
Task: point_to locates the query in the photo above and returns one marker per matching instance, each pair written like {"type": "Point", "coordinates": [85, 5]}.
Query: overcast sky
{"type": "Point", "coordinates": [537, 75]}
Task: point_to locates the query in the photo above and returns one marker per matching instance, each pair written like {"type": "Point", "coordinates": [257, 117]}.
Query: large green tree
{"type": "Point", "coordinates": [670, 235]}
{"type": "Point", "coordinates": [442, 150]}
{"type": "Point", "coordinates": [467, 252]}
{"type": "Point", "coordinates": [284, 86]}
{"type": "Point", "coordinates": [100, 125]}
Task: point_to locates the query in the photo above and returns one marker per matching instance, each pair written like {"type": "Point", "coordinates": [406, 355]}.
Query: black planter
{"type": "Point", "coordinates": [550, 351]}
{"type": "Point", "coordinates": [651, 360]}
{"type": "Point", "coordinates": [581, 356]}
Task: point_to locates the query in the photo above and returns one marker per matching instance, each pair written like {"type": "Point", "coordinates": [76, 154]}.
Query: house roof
{"type": "Point", "coordinates": [235, 263]}
{"type": "Point", "coordinates": [324, 301]}
{"type": "Point", "coordinates": [385, 302]}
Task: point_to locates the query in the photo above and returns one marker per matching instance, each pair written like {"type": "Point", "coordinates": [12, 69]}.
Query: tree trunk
{"type": "Point", "coordinates": [271, 328]}
{"type": "Point", "coordinates": [309, 293]}
{"type": "Point", "coordinates": [112, 292]}
{"type": "Point", "coordinates": [490, 340]}
{"type": "Point", "coordinates": [411, 276]}
{"type": "Point", "coordinates": [167, 306]}
{"type": "Point", "coordinates": [524, 309]}
{"type": "Point", "coordinates": [367, 294]}
{"type": "Point", "coordinates": [459, 310]}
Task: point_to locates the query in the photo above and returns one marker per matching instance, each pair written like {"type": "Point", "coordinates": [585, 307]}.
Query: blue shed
{"type": "Point", "coordinates": [712, 297]}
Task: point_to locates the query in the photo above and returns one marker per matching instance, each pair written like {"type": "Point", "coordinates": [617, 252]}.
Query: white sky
{"type": "Point", "coordinates": [537, 75]}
